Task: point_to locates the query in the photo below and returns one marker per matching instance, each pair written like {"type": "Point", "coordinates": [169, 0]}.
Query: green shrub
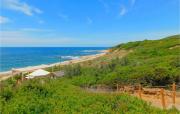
{"type": "Point", "coordinates": [6, 93]}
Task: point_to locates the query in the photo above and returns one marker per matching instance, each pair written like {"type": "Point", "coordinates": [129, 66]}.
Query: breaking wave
{"type": "Point", "coordinates": [69, 57]}
{"type": "Point", "coordinates": [89, 51]}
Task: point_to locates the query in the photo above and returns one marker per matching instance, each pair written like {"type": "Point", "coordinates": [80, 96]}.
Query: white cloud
{"type": "Point", "coordinates": [63, 16]}
{"type": "Point", "coordinates": [105, 5]}
{"type": "Point", "coordinates": [4, 20]}
{"type": "Point", "coordinates": [37, 10]}
{"type": "Point", "coordinates": [21, 38]}
{"type": "Point", "coordinates": [35, 30]}
{"type": "Point", "coordinates": [132, 2]}
{"type": "Point", "coordinates": [41, 22]}
{"type": "Point", "coordinates": [23, 7]}
{"type": "Point", "coordinates": [89, 20]}
{"type": "Point", "coordinates": [123, 10]}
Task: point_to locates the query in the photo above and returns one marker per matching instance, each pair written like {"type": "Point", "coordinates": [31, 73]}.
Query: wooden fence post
{"type": "Point", "coordinates": [163, 99]}
{"type": "Point", "coordinates": [117, 87]}
{"type": "Point", "coordinates": [98, 87]}
{"type": "Point", "coordinates": [139, 91]}
{"type": "Point", "coordinates": [17, 82]}
{"type": "Point", "coordinates": [22, 78]}
{"type": "Point", "coordinates": [174, 93]}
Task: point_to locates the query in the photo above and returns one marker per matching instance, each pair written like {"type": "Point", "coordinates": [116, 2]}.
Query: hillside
{"type": "Point", "coordinates": [149, 62]}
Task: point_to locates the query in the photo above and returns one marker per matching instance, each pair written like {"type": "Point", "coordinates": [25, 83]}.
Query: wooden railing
{"type": "Point", "coordinates": [139, 89]}
{"type": "Point", "coordinates": [161, 92]}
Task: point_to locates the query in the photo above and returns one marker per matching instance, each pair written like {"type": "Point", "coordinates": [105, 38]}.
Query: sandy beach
{"type": "Point", "coordinates": [7, 74]}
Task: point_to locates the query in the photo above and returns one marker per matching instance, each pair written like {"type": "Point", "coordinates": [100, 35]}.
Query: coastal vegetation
{"type": "Point", "coordinates": [59, 96]}
{"type": "Point", "coordinates": [148, 62]}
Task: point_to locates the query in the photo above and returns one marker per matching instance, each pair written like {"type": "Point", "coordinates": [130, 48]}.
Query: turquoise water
{"type": "Point", "coordinates": [18, 57]}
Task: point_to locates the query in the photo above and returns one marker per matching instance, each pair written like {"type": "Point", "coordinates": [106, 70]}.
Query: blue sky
{"type": "Point", "coordinates": [86, 22]}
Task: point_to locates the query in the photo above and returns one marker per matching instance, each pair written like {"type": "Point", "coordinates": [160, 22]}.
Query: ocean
{"type": "Point", "coordinates": [19, 57]}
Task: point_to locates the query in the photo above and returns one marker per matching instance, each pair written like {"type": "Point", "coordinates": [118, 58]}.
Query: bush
{"type": "Point", "coordinates": [6, 93]}
{"type": "Point", "coordinates": [73, 70]}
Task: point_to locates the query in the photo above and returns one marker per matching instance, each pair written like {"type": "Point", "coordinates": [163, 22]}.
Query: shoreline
{"type": "Point", "coordinates": [7, 74]}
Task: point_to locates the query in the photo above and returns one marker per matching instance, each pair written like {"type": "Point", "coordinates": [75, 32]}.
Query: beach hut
{"type": "Point", "coordinates": [38, 73]}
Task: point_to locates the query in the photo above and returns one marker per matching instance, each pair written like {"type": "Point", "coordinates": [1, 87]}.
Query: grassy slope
{"type": "Point", "coordinates": [60, 96]}
{"type": "Point", "coordinates": [64, 96]}
{"type": "Point", "coordinates": [149, 62]}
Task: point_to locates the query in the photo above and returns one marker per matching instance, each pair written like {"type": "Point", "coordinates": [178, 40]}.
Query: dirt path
{"type": "Point", "coordinates": [154, 100]}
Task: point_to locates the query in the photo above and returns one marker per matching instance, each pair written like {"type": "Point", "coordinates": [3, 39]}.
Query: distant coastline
{"type": "Point", "coordinates": [7, 74]}
{"type": "Point", "coordinates": [20, 57]}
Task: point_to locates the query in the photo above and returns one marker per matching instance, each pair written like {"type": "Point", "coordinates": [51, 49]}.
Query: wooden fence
{"type": "Point", "coordinates": [161, 91]}
{"type": "Point", "coordinates": [139, 89]}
